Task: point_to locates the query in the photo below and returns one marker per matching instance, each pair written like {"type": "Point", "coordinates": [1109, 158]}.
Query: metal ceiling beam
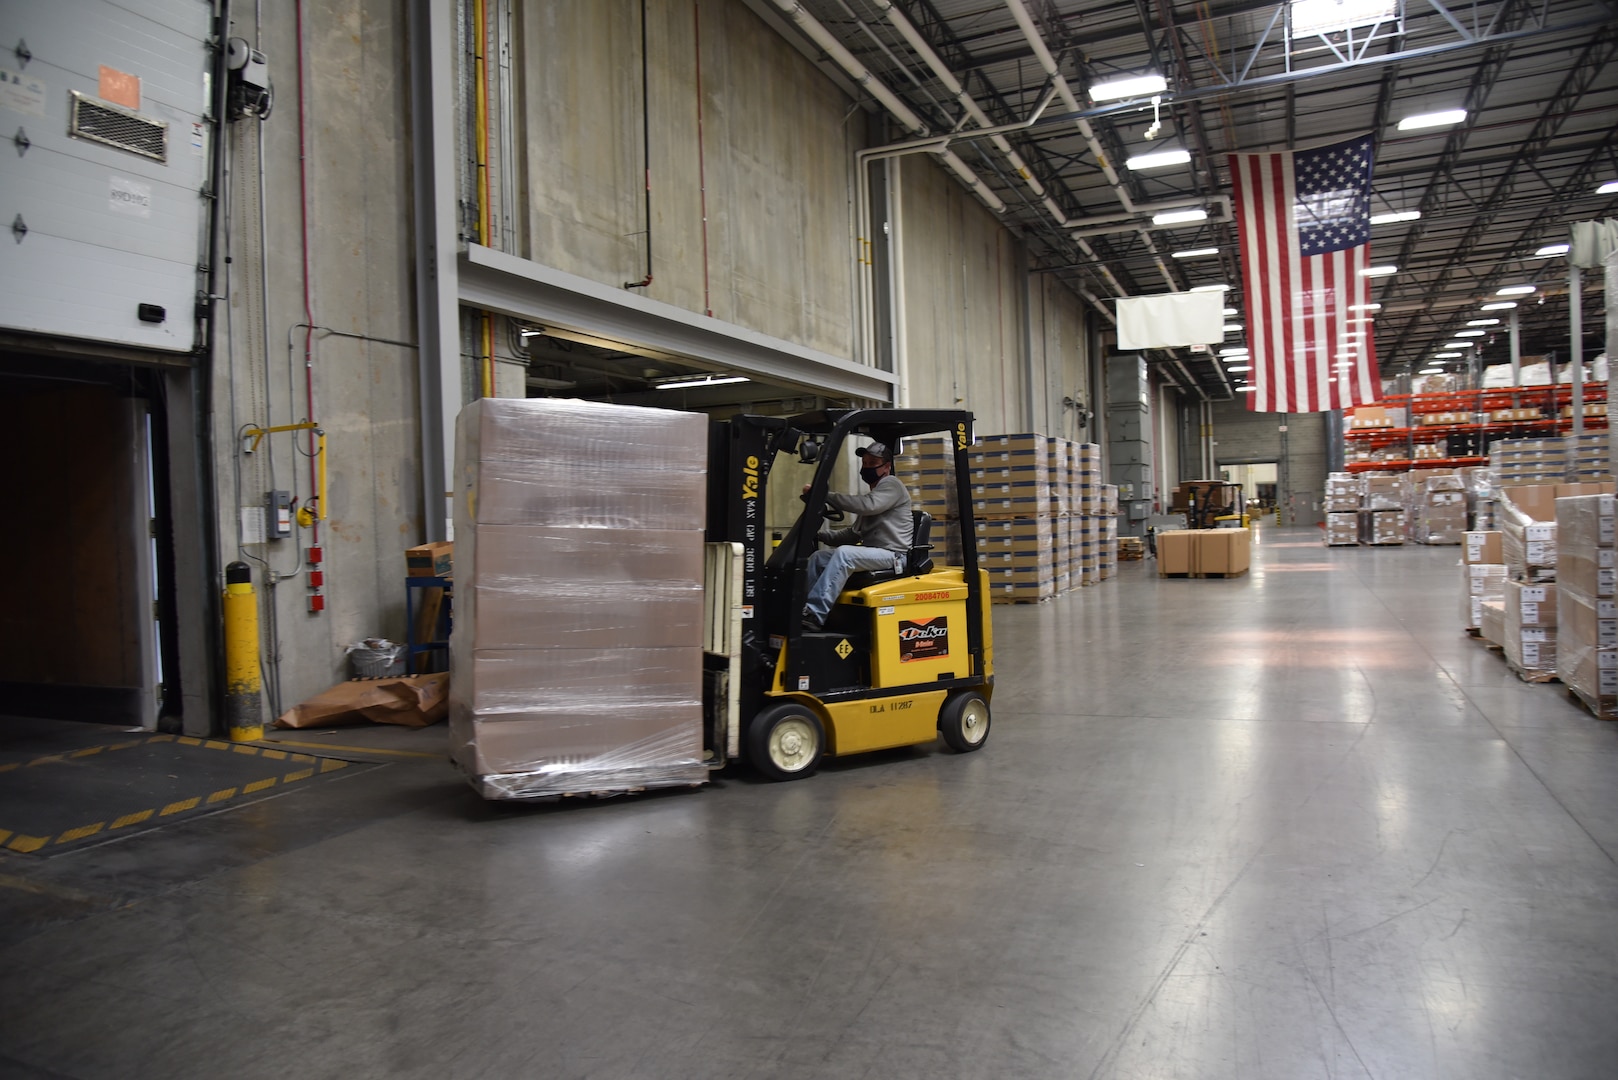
{"type": "Point", "coordinates": [1594, 57]}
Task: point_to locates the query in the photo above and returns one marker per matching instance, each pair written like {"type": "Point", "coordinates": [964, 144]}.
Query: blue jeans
{"type": "Point", "coordinates": [829, 570]}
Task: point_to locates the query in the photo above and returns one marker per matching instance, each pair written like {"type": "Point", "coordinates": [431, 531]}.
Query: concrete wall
{"type": "Point", "coordinates": [1242, 436]}
{"type": "Point", "coordinates": [776, 151]}
{"type": "Point", "coordinates": [360, 282]}
{"type": "Point", "coordinates": [776, 158]}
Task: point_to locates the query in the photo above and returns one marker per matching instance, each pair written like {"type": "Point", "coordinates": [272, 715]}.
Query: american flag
{"type": "Point", "coordinates": [1304, 221]}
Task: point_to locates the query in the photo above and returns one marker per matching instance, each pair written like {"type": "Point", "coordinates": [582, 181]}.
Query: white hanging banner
{"type": "Point", "coordinates": [1592, 242]}
{"type": "Point", "coordinates": [1170, 320]}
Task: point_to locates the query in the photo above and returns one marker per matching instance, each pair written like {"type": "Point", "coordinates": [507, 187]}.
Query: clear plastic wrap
{"type": "Point", "coordinates": [1439, 510]}
{"type": "Point", "coordinates": [1526, 516]}
{"type": "Point", "coordinates": [1587, 613]}
{"type": "Point", "coordinates": [576, 662]}
{"type": "Point", "coordinates": [1530, 637]}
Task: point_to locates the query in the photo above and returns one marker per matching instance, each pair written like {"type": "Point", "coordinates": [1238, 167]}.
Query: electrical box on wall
{"type": "Point", "coordinates": [104, 194]}
{"type": "Point", "coordinates": [278, 515]}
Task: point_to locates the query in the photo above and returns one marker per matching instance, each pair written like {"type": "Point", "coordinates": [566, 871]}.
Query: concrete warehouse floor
{"type": "Point", "coordinates": [1289, 825]}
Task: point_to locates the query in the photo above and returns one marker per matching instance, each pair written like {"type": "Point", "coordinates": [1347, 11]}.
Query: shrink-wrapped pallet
{"type": "Point", "coordinates": [576, 660]}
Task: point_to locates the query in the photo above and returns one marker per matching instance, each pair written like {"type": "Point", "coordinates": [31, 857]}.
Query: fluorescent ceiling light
{"type": "Point", "coordinates": [1551, 249]}
{"type": "Point", "coordinates": [1211, 288]}
{"type": "Point", "coordinates": [1609, 188]}
{"type": "Point", "coordinates": [681, 382]}
{"type": "Point", "coordinates": [1230, 311]}
{"type": "Point", "coordinates": [1442, 118]}
{"type": "Point", "coordinates": [1447, 355]}
{"type": "Point", "coordinates": [1460, 344]}
{"type": "Point", "coordinates": [1379, 271]}
{"type": "Point", "coordinates": [1514, 290]}
{"type": "Point", "coordinates": [1240, 367]}
{"type": "Point", "coordinates": [1233, 328]}
{"type": "Point", "coordinates": [1194, 253]}
{"type": "Point", "coordinates": [1483, 322]}
{"type": "Point", "coordinates": [1366, 307]}
{"type": "Point", "coordinates": [1235, 350]}
{"type": "Point", "coordinates": [1157, 159]}
{"type": "Point", "coordinates": [1127, 87]}
{"type": "Point", "coordinates": [1470, 333]}
{"type": "Point", "coordinates": [1247, 389]}
{"type": "Point", "coordinates": [1503, 305]}
{"type": "Point", "coordinates": [1179, 217]}
{"type": "Point", "coordinates": [1430, 371]}
{"type": "Point", "coordinates": [1396, 216]}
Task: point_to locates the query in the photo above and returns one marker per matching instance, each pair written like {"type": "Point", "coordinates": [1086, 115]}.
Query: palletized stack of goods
{"type": "Point", "coordinates": [1480, 496]}
{"type": "Point", "coordinates": [1587, 612]}
{"type": "Point", "coordinates": [1109, 531]}
{"type": "Point", "coordinates": [1064, 507]}
{"type": "Point", "coordinates": [1530, 629]}
{"type": "Point", "coordinates": [1528, 461]}
{"type": "Point", "coordinates": [926, 464]}
{"type": "Point", "coordinates": [576, 662]}
{"type": "Point", "coordinates": [1439, 509]}
{"type": "Point", "coordinates": [1011, 502]}
{"type": "Point", "coordinates": [1344, 494]}
{"type": "Point", "coordinates": [1528, 532]}
{"type": "Point", "coordinates": [1484, 575]}
{"type": "Point", "coordinates": [1589, 456]}
{"type": "Point", "coordinates": [1382, 521]}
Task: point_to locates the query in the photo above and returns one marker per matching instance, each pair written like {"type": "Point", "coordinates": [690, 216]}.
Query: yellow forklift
{"type": "Point", "coordinates": [903, 658]}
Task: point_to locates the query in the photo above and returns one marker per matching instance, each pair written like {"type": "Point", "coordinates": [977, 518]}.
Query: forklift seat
{"type": "Point", "coordinates": [920, 560]}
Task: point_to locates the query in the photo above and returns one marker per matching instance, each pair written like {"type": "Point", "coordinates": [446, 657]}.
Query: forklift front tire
{"type": "Point", "coordinates": [785, 742]}
{"type": "Point", "coordinates": [964, 722]}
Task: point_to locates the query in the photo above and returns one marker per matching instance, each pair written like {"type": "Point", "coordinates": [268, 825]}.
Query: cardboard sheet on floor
{"type": "Point", "coordinates": [408, 701]}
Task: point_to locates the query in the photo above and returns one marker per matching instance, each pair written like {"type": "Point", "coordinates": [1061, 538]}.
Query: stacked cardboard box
{"type": "Point", "coordinates": [1439, 510]}
{"type": "Point", "coordinates": [1108, 545]}
{"type": "Point", "coordinates": [1528, 461]}
{"type": "Point", "coordinates": [1382, 528]}
{"type": "Point", "coordinates": [1204, 552]}
{"type": "Point", "coordinates": [927, 467]}
{"type": "Point", "coordinates": [576, 662]}
{"type": "Point", "coordinates": [1587, 611]}
{"type": "Point", "coordinates": [1530, 630]}
{"type": "Point", "coordinates": [1589, 456]}
{"type": "Point", "coordinates": [1528, 525]}
{"type": "Point", "coordinates": [1345, 493]}
{"type": "Point", "coordinates": [1090, 502]}
{"type": "Point", "coordinates": [1483, 573]}
{"type": "Point", "coordinates": [1011, 504]}
{"type": "Point", "coordinates": [1343, 530]}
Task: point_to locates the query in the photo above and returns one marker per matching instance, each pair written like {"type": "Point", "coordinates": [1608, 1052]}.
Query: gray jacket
{"type": "Point", "coordinates": [884, 517]}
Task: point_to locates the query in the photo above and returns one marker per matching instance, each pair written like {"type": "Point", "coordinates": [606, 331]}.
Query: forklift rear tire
{"type": "Point", "coordinates": [785, 742]}
{"type": "Point", "coordinates": [964, 722]}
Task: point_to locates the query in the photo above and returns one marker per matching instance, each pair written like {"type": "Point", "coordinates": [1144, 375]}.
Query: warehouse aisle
{"type": "Point", "coordinates": [1288, 825]}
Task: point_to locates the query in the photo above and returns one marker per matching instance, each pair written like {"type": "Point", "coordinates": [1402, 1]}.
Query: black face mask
{"type": "Point", "coordinates": [870, 476]}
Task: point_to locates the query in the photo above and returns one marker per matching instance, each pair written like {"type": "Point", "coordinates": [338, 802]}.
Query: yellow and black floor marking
{"type": "Point", "coordinates": [52, 802]}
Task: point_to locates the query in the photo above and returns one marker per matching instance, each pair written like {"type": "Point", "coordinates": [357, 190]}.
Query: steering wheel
{"type": "Point", "coordinates": [831, 513]}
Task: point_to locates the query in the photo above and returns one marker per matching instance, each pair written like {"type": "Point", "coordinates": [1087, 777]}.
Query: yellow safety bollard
{"type": "Point", "coordinates": [243, 684]}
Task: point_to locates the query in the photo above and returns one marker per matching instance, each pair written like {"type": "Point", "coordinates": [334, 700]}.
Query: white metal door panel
{"type": "Point", "coordinates": [96, 230]}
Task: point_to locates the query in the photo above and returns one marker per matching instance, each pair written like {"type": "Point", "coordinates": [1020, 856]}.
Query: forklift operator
{"type": "Point", "coordinates": [879, 540]}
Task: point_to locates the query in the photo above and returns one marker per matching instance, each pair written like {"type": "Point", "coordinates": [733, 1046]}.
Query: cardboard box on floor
{"type": "Point", "coordinates": [1204, 551]}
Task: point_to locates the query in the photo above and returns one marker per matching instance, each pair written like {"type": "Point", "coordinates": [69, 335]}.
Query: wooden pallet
{"type": "Point", "coordinates": [1238, 574]}
{"type": "Point", "coordinates": [1596, 708]}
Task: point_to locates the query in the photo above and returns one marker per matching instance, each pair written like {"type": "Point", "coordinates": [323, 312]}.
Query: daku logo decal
{"type": "Point", "coordinates": [923, 639]}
